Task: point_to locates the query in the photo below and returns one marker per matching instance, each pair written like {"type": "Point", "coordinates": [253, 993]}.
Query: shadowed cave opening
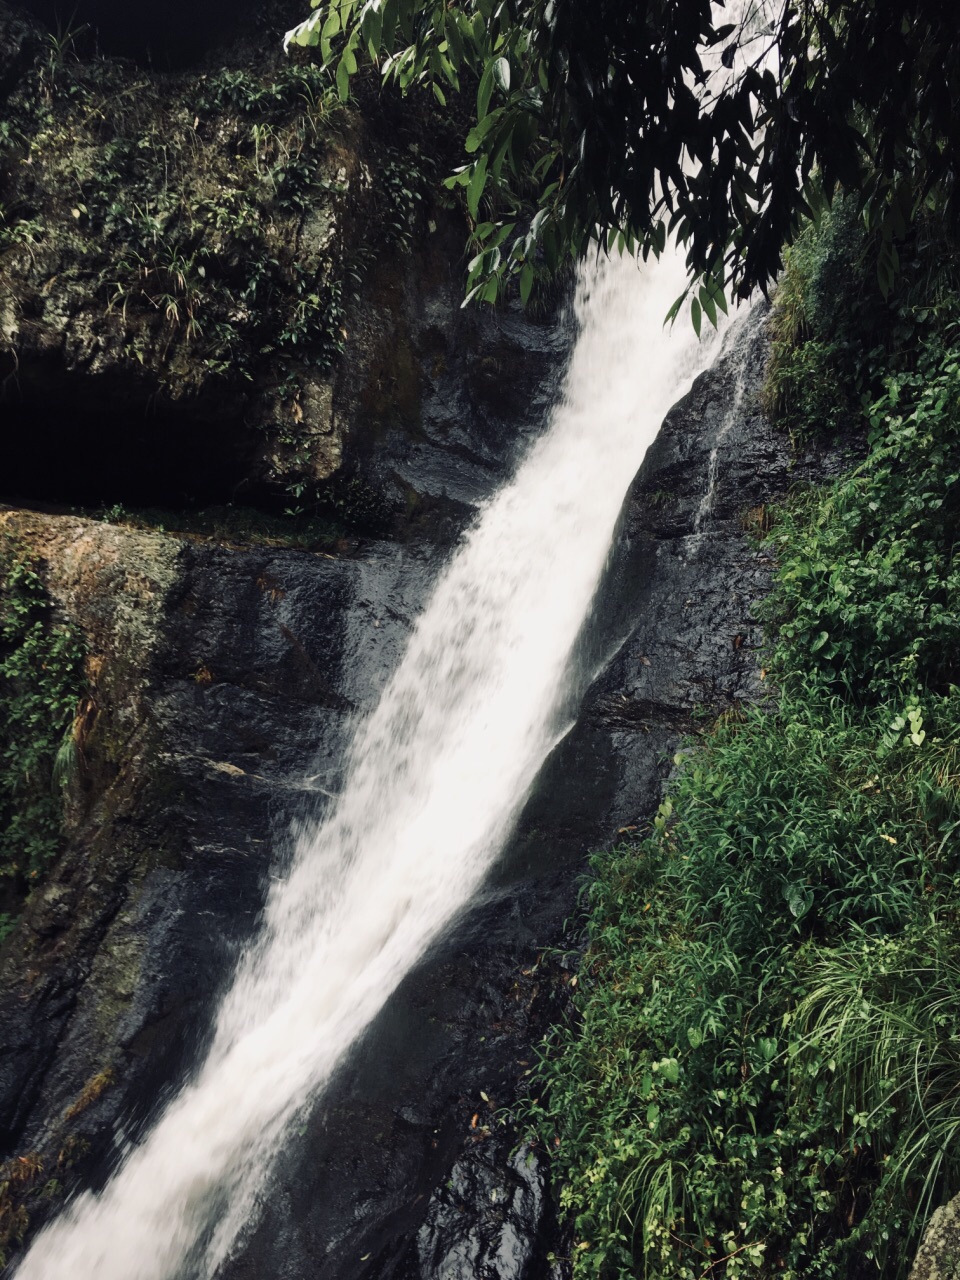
{"type": "Point", "coordinates": [97, 442]}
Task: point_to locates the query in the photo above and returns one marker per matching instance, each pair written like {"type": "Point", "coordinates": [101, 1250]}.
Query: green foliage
{"type": "Point", "coordinates": [218, 226]}
{"type": "Point", "coordinates": [194, 201]}
{"type": "Point", "coordinates": [19, 231]}
{"type": "Point", "coordinates": [656, 118]}
{"type": "Point", "coordinates": [294, 87]}
{"type": "Point", "coordinates": [868, 588]}
{"type": "Point", "coordinates": [764, 1072]}
{"type": "Point", "coordinates": [404, 183]}
{"type": "Point", "coordinates": [835, 336]}
{"type": "Point", "coordinates": [41, 677]}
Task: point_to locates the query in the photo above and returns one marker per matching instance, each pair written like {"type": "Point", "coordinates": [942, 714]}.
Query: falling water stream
{"type": "Point", "coordinates": [435, 778]}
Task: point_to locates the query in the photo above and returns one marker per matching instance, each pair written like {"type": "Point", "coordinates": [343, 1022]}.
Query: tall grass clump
{"type": "Point", "coordinates": [761, 1075]}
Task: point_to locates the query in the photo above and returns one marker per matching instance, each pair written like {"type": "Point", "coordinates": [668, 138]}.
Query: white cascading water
{"type": "Point", "coordinates": [435, 778]}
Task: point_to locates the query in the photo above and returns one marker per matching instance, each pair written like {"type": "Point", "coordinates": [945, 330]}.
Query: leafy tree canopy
{"type": "Point", "coordinates": [621, 122]}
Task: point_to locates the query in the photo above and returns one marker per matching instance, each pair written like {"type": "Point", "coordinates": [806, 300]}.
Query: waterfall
{"type": "Point", "coordinates": [435, 778]}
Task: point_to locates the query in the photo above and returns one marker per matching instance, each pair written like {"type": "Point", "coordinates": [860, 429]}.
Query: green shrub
{"type": "Point", "coordinates": [827, 307]}
{"type": "Point", "coordinates": [868, 592]}
{"type": "Point", "coordinates": [712, 1106]}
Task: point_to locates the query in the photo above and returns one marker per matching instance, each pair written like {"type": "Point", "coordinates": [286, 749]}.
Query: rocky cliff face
{"type": "Point", "coordinates": [221, 285]}
{"type": "Point", "coordinates": [223, 680]}
{"type": "Point", "coordinates": [201, 303]}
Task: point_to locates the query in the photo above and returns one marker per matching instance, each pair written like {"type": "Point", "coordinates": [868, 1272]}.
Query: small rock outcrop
{"type": "Point", "coordinates": [482, 1222]}
{"type": "Point", "coordinates": [938, 1257]}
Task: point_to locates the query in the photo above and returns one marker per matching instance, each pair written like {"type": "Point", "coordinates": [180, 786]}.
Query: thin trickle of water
{"type": "Point", "coordinates": [435, 778]}
{"type": "Point", "coordinates": [730, 416]}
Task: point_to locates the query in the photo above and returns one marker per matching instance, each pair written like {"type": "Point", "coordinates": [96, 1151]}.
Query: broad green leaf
{"type": "Point", "coordinates": [709, 307]}
{"type": "Point", "coordinates": [306, 34]}
{"type": "Point", "coordinates": [477, 134]}
{"type": "Point", "coordinates": [331, 27]}
{"type": "Point", "coordinates": [388, 28]}
{"type": "Point", "coordinates": [484, 91]}
{"type": "Point", "coordinates": [696, 315]}
{"type": "Point", "coordinates": [451, 29]}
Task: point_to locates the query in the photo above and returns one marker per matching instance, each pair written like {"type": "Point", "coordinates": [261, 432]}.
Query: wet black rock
{"type": "Point", "coordinates": [483, 1222]}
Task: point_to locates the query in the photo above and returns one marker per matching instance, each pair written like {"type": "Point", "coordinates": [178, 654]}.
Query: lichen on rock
{"type": "Point", "coordinates": [938, 1257]}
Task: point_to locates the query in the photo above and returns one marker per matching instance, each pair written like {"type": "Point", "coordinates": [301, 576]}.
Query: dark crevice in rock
{"type": "Point", "coordinates": [90, 445]}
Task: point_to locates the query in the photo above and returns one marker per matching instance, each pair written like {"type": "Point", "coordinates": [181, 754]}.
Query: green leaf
{"type": "Point", "coordinates": [388, 28]}
{"type": "Point", "coordinates": [526, 282]}
{"type": "Point", "coordinates": [305, 34]}
{"type": "Point", "coordinates": [331, 27]}
{"type": "Point", "coordinates": [674, 309]}
{"type": "Point", "coordinates": [477, 134]}
{"type": "Point", "coordinates": [371, 28]}
{"type": "Point", "coordinates": [343, 81]}
{"type": "Point", "coordinates": [799, 899]}
{"type": "Point", "coordinates": [709, 306]}
{"type": "Point", "coordinates": [475, 189]}
{"type": "Point", "coordinates": [451, 29]}
{"type": "Point", "coordinates": [484, 91]}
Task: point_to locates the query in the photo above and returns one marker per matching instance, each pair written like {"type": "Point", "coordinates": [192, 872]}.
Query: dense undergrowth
{"type": "Point", "coordinates": [763, 1076]}
{"type": "Point", "coordinates": [41, 677]}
